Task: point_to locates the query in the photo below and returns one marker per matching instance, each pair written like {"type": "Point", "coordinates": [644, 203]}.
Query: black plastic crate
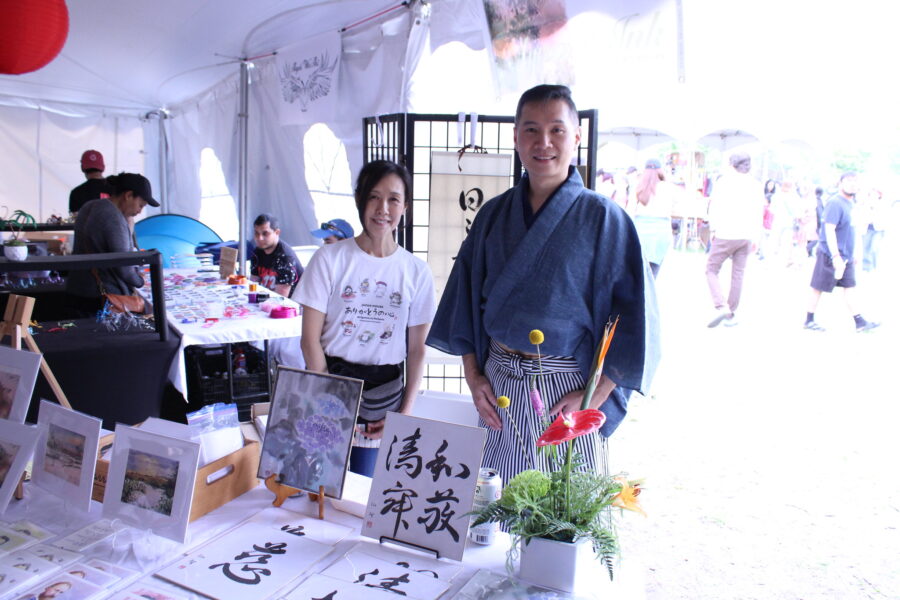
{"type": "Point", "coordinates": [211, 376]}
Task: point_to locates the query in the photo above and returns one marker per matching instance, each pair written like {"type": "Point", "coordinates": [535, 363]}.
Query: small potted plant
{"type": "Point", "coordinates": [15, 248]}
{"type": "Point", "coordinates": [561, 519]}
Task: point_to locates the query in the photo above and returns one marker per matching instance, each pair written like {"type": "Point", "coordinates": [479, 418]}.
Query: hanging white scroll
{"type": "Point", "coordinates": [459, 187]}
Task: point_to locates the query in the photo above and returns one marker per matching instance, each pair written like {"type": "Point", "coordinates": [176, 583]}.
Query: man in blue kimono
{"type": "Point", "coordinates": [548, 254]}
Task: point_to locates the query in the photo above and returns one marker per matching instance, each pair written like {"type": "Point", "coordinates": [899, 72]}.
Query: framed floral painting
{"type": "Point", "coordinates": [310, 430]}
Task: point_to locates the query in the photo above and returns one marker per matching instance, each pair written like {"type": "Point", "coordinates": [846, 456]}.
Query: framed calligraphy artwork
{"type": "Point", "coordinates": [309, 431]}
{"type": "Point", "coordinates": [257, 558]}
{"type": "Point", "coordinates": [460, 185]}
{"type": "Point", "coordinates": [151, 481]}
{"type": "Point", "coordinates": [66, 453]}
{"type": "Point", "coordinates": [424, 484]}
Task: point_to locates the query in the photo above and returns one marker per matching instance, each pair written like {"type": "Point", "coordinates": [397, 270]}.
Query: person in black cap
{"type": "Point", "coordinates": [333, 231]}
{"type": "Point", "coordinates": [96, 185]}
{"type": "Point", "coordinates": [102, 226]}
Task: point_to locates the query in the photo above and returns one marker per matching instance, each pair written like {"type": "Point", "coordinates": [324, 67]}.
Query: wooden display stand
{"type": "Point", "coordinates": [283, 492]}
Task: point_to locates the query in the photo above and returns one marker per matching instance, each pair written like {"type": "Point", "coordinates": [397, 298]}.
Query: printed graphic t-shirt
{"type": "Point", "coordinates": [280, 267]}
{"type": "Point", "coordinates": [368, 301]}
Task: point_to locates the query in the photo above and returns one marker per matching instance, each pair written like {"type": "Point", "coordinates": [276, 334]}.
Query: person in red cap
{"type": "Point", "coordinates": [95, 187]}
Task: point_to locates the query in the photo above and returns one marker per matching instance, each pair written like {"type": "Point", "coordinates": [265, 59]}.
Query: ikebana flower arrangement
{"type": "Point", "coordinates": [565, 503]}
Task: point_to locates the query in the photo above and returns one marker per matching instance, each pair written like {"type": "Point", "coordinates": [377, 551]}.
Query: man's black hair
{"type": "Point", "coordinates": [546, 93]}
{"type": "Point", "coordinates": [266, 218]}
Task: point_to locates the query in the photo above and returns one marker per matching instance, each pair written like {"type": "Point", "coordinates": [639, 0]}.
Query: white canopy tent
{"type": "Point", "coordinates": [683, 67]}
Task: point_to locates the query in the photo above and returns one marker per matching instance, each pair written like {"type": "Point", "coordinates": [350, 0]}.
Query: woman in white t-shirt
{"type": "Point", "coordinates": [653, 214]}
{"type": "Point", "coordinates": [367, 307]}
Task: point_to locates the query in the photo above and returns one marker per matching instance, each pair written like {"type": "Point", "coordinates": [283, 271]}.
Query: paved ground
{"type": "Point", "coordinates": [770, 452]}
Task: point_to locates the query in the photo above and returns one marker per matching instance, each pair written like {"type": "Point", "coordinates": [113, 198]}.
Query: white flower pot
{"type": "Point", "coordinates": [15, 252]}
{"type": "Point", "coordinates": [562, 565]}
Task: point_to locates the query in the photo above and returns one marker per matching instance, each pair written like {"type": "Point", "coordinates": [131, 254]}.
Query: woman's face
{"type": "Point", "coordinates": [133, 204]}
{"type": "Point", "coordinates": [384, 206]}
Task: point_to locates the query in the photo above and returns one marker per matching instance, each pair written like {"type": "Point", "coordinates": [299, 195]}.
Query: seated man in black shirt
{"type": "Point", "coordinates": [273, 262]}
{"type": "Point", "coordinates": [95, 187]}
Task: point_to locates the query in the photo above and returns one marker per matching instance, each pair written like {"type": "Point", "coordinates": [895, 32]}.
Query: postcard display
{"type": "Point", "coordinates": [66, 454]}
{"type": "Point", "coordinates": [18, 372]}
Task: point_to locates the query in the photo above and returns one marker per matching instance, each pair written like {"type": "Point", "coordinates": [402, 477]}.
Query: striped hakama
{"type": "Point", "coordinates": [510, 375]}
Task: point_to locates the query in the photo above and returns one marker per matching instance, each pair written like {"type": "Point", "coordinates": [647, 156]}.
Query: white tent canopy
{"type": "Point", "coordinates": [733, 67]}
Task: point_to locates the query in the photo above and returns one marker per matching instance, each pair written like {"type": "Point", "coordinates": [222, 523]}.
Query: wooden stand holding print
{"type": "Point", "coordinates": [15, 325]}
{"type": "Point", "coordinates": [283, 492]}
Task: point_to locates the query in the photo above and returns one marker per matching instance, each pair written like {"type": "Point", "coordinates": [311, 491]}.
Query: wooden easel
{"type": "Point", "coordinates": [283, 492]}
{"type": "Point", "coordinates": [15, 325]}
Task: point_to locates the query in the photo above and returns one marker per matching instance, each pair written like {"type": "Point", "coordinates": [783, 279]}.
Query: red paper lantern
{"type": "Point", "coordinates": [32, 32]}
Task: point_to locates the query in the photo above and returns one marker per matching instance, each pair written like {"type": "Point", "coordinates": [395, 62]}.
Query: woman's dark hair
{"type": "Point", "coordinates": [545, 93]}
{"type": "Point", "coordinates": [371, 174]}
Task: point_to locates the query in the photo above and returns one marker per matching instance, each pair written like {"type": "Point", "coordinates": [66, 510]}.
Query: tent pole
{"type": "Point", "coordinates": [242, 165]}
{"type": "Point", "coordinates": [163, 171]}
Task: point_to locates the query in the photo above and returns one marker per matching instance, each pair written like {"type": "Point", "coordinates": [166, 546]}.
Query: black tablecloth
{"type": "Point", "coordinates": [117, 376]}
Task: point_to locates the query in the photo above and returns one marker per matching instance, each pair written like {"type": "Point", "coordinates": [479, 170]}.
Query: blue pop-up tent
{"type": "Point", "coordinates": [173, 235]}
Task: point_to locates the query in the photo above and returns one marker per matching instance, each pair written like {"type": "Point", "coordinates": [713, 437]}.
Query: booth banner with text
{"type": "Point", "coordinates": [459, 187]}
{"type": "Point", "coordinates": [424, 484]}
{"type": "Point", "coordinates": [308, 77]}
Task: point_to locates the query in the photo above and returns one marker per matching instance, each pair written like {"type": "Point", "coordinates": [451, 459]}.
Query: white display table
{"type": "Point", "coordinates": [148, 553]}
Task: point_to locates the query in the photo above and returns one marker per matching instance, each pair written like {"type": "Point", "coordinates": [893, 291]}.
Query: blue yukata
{"type": "Point", "coordinates": [575, 268]}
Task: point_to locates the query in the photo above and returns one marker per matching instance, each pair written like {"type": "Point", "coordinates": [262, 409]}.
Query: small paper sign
{"type": "Point", "coordinates": [424, 484]}
{"type": "Point", "coordinates": [227, 260]}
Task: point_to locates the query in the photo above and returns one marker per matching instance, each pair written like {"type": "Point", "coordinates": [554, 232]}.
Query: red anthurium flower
{"type": "Point", "coordinates": [570, 426]}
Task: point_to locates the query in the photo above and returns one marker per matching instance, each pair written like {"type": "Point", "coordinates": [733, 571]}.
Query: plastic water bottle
{"type": "Point", "coordinates": [240, 362]}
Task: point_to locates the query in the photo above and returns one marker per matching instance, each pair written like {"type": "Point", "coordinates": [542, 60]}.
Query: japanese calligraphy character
{"type": "Point", "coordinates": [294, 530]}
{"type": "Point", "coordinates": [405, 565]}
{"type": "Point", "coordinates": [409, 458]}
{"type": "Point", "coordinates": [390, 583]}
{"type": "Point", "coordinates": [364, 575]}
{"type": "Point", "coordinates": [261, 556]}
{"type": "Point", "coordinates": [438, 519]}
{"type": "Point", "coordinates": [399, 504]}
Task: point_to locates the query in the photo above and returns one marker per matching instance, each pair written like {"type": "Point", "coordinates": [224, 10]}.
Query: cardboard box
{"type": "Point", "coordinates": [212, 489]}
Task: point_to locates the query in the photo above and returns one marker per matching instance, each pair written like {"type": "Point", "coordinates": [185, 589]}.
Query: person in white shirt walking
{"type": "Point", "coordinates": [734, 222]}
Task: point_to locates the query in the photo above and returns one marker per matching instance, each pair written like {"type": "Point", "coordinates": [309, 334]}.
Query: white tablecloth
{"type": "Point", "coordinates": [146, 552]}
{"type": "Point", "coordinates": [256, 326]}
